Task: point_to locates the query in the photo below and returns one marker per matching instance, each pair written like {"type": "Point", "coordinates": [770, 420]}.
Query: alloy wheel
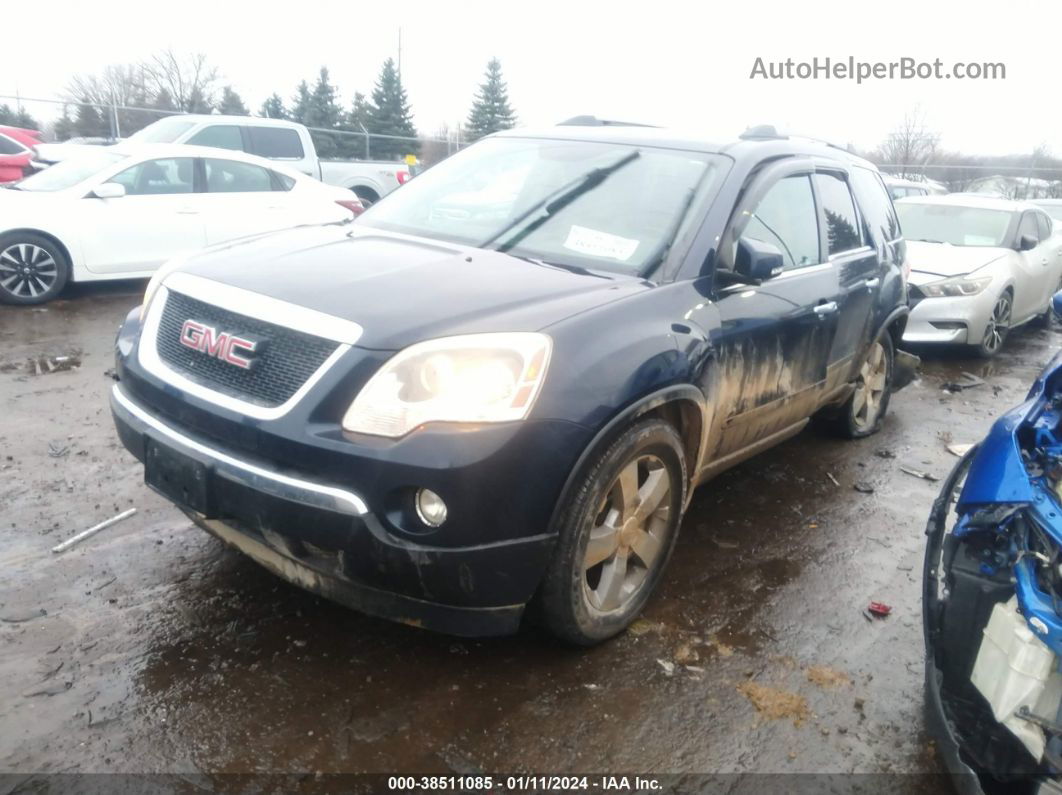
{"type": "Point", "coordinates": [629, 534]}
{"type": "Point", "coordinates": [27, 270]}
{"type": "Point", "coordinates": [870, 388]}
{"type": "Point", "coordinates": [998, 324]}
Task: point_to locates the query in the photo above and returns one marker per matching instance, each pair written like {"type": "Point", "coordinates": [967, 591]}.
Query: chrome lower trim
{"type": "Point", "coordinates": [247, 474]}
{"type": "Point", "coordinates": [244, 302]}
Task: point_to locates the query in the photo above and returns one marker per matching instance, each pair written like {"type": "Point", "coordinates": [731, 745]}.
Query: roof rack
{"type": "Point", "coordinates": [593, 121]}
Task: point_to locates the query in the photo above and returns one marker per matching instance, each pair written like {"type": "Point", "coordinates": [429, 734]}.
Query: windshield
{"type": "Point", "coordinates": [163, 131]}
{"type": "Point", "coordinates": [70, 172]}
{"type": "Point", "coordinates": [593, 205]}
{"type": "Point", "coordinates": [955, 224]}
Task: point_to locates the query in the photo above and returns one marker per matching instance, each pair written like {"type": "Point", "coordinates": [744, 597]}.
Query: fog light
{"type": "Point", "coordinates": [430, 507]}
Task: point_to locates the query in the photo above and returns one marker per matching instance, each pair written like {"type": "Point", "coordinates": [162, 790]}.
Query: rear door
{"type": "Point", "coordinates": [857, 268]}
{"type": "Point", "coordinates": [157, 219]}
{"type": "Point", "coordinates": [242, 199]}
{"type": "Point", "coordinates": [775, 339]}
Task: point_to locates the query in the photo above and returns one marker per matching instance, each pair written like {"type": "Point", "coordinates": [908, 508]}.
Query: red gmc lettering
{"type": "Point", "coordinates": [221, 345]}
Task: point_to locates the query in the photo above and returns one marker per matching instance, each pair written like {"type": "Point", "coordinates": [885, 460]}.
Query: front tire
{"type": "Point", "coordinates": [617, 530]}
{"type": "Point", "coordinates": [33, 269]}
{"type": "Point", "coordinates": [997, 328]}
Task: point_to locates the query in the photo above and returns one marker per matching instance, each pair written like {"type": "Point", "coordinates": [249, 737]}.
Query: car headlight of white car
{"type": "Point", "coordinates": [957, 286]}
{"type": "Point", "coordinates": [473, 378]}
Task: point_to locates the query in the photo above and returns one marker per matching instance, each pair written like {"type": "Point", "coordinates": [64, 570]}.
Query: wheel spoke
{"type": "Point", "coordinates": [627, 489]}
{"type": "Point", "coordinates": [602, 545]}
{"type": "Point", "coordinates": [859, 401]}
{"type": "Point", "coordinates": [646, 547]}
{"type": "Point", "coordinates": [610, 589]}
{"type": "Point", "coordinates": [652, 493]}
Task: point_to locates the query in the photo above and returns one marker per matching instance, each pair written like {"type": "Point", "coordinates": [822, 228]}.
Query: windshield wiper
{"type": "Point", "coordinates": [660, 251]}
{"type": "Point", "coordinates": [550, 205]}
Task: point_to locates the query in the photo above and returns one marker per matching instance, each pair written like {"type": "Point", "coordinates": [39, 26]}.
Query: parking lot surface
{"type": "Point", "coordinates": [151, 647]}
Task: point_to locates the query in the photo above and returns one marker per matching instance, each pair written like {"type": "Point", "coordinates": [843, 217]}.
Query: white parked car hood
{"type": "Point", "coordinates": [933, 261]}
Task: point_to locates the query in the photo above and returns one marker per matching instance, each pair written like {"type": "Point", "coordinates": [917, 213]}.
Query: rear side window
{"type": "Point", "coordinates": [232, 176]}
{"type": "Point", "coordinates": [10, 147]}
{"type": "Point", "coordinates": [838, 209]}
{"type": "Point", "coordinates": [283, 181]}
{"type": "Point", "coordinates": [1045, 226]}
{"type": "Point", "coordinates": [786, 219]}
{"type": "Point", "coordinates": [278, 143]}
{"type": "Point", "coordinates": [222, 136]}
{"type": "Point", "coordinates": [876, 204]}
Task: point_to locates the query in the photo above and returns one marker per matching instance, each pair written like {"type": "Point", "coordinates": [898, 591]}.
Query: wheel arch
{"type": "Point", "coordinates": [682, 405]}
{"type": "Point", "coordinates": [63, 248]}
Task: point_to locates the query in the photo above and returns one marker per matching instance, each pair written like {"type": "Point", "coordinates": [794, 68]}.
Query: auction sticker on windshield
{"type": "Point", "coordinates": [600, 244]}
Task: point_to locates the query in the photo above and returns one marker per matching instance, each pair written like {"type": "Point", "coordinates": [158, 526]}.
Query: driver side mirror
{"type": "Point", "coordinates": [757, 261]}
{"type": "Point", "coordinates": [109, 190]}
{"type": "Point", "coordinates": [1027, 243]}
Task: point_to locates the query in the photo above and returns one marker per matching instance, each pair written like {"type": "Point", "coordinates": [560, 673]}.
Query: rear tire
{"type": "Point", "coordinates": [617, 530]}
{"type": "Point", "coordinates": [863, 413]}
{"type": "Point", "coordinates": [33, 269]}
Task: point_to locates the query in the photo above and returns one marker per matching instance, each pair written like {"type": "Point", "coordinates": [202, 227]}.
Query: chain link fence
{"type": "Point", "coordinates": [116, 121]}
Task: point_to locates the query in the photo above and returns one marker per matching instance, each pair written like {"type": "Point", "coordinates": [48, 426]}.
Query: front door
{"type": "Point", "coordinates": [156, 220]}
{"type": "Point", "coordinates": [775, 339]}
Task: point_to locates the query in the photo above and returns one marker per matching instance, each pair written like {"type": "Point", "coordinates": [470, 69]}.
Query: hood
{"type": "Point", "coordinates": [401, 289]}
{"type": "Point", "coordinates": [941, 260]}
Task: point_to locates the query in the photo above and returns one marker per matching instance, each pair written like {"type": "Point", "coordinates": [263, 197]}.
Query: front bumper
{"type": "Point", "coordinates": [327, 539]}
{"type": "Point", "coordinates": [959, 320]}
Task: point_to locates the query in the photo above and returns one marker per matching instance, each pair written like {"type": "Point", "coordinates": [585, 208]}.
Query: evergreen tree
{"type": "Point", "coordinates": [163, 101]}
{"type": "Point", "coordinates": [356, 120]}
{"type": "Point", "coordinates": [64, 125]}
{"type": "Point", "coordinates": [17, 118]}
{"type": "Point", "coordinates": [89, 122]}
{"type": "Point", "coordinates": [273, 108]}
{"type": "Point", "coordinates": [197, 101]}
{"type": "Point", "coordinates": [324, 112]}
{"type": "Point", "coordinates": [300, 103]}
{"type": "Point", "coordinates": [231, 104]}
{"type": "Point", "coordinates": [490, 108]}
{"type": "Point", "coordinates": [389, 114]}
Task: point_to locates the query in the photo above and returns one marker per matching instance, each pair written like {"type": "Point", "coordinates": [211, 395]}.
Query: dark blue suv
{"type": "Point", "coordinates": [497, 389]}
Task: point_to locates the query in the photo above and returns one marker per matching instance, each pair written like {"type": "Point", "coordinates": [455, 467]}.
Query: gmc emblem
{"type": "Point", "coordinates": [221, 345]}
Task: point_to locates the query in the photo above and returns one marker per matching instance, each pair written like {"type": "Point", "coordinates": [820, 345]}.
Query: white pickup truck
{"type": "Point", "coordinates": [275, 139]}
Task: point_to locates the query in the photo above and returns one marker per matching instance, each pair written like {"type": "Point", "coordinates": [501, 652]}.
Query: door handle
{"type": "Point", "coordinates": [827, 308]}
{"type": "Point", "coordinates": [872, 283]}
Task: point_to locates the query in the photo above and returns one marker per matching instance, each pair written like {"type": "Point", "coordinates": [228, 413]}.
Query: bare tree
{"type": "Point", "coordinates": [188, 79]}
{"type": "Point", "coordinates": [911, 146]}
{"type": "Point", "coordinates": [114, 92]}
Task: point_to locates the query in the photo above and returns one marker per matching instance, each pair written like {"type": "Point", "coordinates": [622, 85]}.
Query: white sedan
{"type": "Point", "coordinates": [120, 212]}
{"type": "Point", "coordinates": [979, 267]}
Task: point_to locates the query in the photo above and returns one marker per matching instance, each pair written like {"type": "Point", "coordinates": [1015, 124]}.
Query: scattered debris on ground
{"type": "Point", "coordinates": [93, 530]}
{"type": "Point", "coordinates": [969, 381]}
{"type": "Point", "coordinates": [775, 703]}
{"type": "Point", "coordinates": [919, 474]}
{"type": "Point", "coordinates": [825, 676]}
{"type": "Point", "coordinates": [959, 449]}
{"type": "Point", "coordinates": [863, 487]}
{"type": "Point", "coordinates": [879, 609]}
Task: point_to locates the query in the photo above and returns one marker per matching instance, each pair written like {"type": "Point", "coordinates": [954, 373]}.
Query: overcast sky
{"type": "Point", "coordinates": [683, 64]}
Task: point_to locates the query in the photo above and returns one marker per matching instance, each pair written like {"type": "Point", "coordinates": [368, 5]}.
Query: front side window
{"type": "Point", "coordinates": [838, 209]}
{"type": "Point", "coordinates": [786, 218]}
{"type": "Point", "coordinates": [954, 223]}
{"type": "Point", "coordinates": [1045, 226]}
{"type": "Point", "coordinates": [220, 136]}
{"type": "Point", "coordinates": [276, 143]}
{"type": "Point", "coordinates": [595, 205]}
{"type": "Point", "coordinates": [158, 177]}
{"type": "Point", "coordinates": [232, 176]}
{"type": "Point", "coordinates": [1028, 227]}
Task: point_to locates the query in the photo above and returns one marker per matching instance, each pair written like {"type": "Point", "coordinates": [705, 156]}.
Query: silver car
{"type": "Point", "coordinates": [979, 267]}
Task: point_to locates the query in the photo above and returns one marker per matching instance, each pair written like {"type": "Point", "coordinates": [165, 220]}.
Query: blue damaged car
{"type": "Point", "coordinates": [992, 602]}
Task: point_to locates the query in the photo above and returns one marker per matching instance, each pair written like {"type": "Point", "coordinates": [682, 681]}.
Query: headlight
{"type": "Point", "coordinates": [961, 285]}
{"type": "Point", "coordinates": [473, 378]}
{"type": "Point", "coordinates": [156, 281]}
